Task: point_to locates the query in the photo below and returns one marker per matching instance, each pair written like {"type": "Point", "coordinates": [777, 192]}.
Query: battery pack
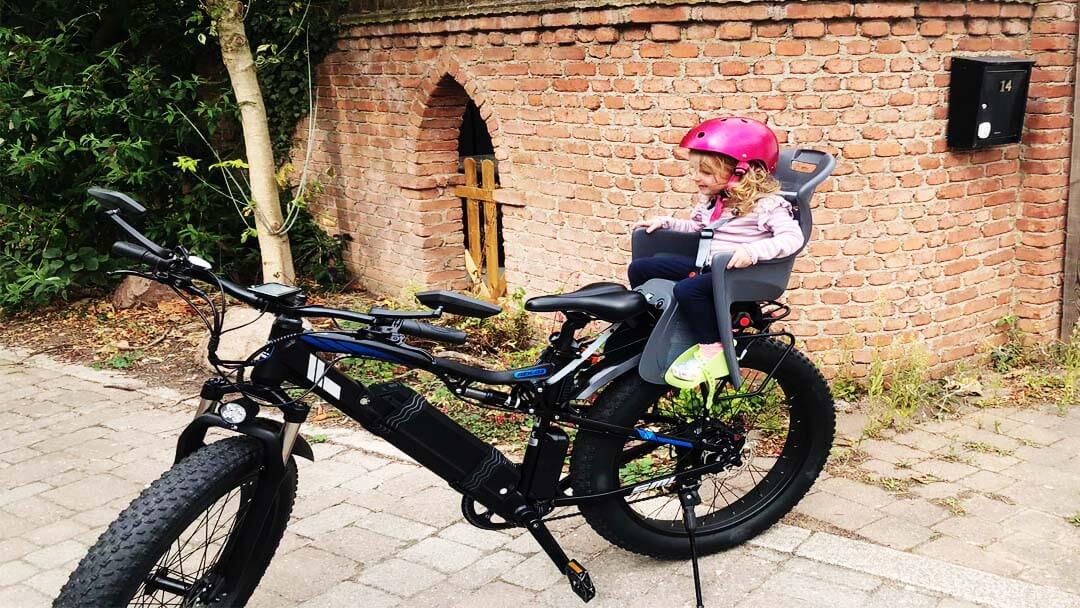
{"type": "Point", "coordinates": [471, 466]}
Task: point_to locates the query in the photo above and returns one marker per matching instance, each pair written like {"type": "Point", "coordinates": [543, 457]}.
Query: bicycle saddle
{"type": "Point", "coordinates": [606, 301]}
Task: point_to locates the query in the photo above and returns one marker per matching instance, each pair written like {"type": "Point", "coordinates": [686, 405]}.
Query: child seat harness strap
{"type": "Point", "coordinates": [705, 243]}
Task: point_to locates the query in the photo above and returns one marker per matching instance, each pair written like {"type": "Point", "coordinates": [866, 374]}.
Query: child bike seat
{"type": "Point", "coordinates": [609, 302]}
{"type": "Point", "coordinates": [765, 280]}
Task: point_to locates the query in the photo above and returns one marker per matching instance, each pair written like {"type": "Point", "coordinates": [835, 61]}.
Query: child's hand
{"type": "Point", "coordinates": [651, 224]}
{"type": "Point", "coordinates": [740, 259]}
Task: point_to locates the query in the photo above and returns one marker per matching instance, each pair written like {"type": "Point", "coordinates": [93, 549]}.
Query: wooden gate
{"type": "Point", "coordinates": [482, 259]}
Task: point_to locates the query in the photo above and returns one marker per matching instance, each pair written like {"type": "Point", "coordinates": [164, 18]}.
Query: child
{"type": "Point", "coordinates": [731, 160]}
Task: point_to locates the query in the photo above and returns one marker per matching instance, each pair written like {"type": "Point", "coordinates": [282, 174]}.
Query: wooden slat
{"type": "Point", "coordinates": [1070, 305]}
{"type": "Point", "coordinates": [474, 193]}
{"type": "Point", "coordinates": [491, 230]}
{"type": "Point", "coordinates": [473, 209]}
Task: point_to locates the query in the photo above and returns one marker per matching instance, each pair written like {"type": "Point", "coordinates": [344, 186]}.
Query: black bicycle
{"type": "Point", "coordinates": [651, 468]}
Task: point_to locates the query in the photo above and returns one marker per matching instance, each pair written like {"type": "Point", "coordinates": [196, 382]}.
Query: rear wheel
{"type": "Point", "coordinates": [164, 548]}
{"type": "Point", "coordinates": [777, 444]}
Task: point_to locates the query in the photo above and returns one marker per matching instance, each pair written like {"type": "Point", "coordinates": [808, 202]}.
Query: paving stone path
{"type": "Point", "coordinates": [372, 529]}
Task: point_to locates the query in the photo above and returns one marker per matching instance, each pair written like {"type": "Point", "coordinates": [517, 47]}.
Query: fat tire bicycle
{"type": "Point", "coordinates": [651, 468]}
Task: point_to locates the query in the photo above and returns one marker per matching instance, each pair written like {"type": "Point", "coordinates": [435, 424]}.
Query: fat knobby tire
{"type": "Point", "coordinates": [623, 403]}
{"type": "Point", "coordinates": [116, 565]}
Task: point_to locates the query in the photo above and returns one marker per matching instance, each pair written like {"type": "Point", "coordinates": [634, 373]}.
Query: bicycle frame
{"type": "Point", "coordinates": [295, 358]}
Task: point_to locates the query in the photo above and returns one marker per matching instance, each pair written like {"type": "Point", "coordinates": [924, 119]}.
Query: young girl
{"type": "Point", "coordinates": [731, 160]}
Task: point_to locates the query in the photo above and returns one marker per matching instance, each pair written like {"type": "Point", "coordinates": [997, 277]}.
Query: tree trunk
{"type": "Point", "coordinates": [228, 17]}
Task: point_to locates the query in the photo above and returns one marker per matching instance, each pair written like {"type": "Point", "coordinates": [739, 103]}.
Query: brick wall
{"type": "Point", "coordinates": [586, 109]}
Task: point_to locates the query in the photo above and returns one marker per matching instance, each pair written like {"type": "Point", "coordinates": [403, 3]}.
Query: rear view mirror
{"type": "Point", "coordinates": [112, 200]}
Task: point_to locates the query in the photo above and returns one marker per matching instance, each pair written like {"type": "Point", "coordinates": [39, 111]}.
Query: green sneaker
{"type": "Point", "coordinates": [691, 369]}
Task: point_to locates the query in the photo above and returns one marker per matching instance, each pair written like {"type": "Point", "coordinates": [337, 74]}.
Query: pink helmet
{"type": "Point", "coordinates": [744, 139]}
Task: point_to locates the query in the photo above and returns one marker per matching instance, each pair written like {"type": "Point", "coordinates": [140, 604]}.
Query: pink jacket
{"type": "Point", "coordinates": [767, 233]}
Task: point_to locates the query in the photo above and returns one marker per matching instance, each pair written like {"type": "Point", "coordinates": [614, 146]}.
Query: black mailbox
{"type": "Point", "coordinates": [987, 99]}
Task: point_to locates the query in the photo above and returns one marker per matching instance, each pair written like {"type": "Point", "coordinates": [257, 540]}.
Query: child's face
{"type": "Point", "coordinates": [710, 177]}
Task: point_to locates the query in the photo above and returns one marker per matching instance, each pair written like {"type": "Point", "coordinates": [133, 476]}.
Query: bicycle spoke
{"type": "Point", "coordinates": [761, 421]}
{"type": "Point", "coordinates": [196, 550]}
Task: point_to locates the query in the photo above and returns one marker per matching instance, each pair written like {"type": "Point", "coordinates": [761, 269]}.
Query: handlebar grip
{"type": "Point", "coordinates": [432, 332]}
{"type": "Point", "coordinates": [140, 254]}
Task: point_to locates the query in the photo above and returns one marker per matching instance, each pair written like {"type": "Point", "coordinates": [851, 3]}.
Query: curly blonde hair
{"type": "Point", "coordinates": [756, 183]}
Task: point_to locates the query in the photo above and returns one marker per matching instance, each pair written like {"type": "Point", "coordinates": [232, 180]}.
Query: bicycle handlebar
{"type": "Point", "coordinates": [142, 255]}
{"type": "Point", "coordinates": [420, 329]}
{"type": "Point", "coordinates": [165, 262]}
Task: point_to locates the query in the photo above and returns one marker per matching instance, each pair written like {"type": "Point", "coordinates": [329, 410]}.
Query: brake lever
{"type": "Point", "coordinates": [133, 273]}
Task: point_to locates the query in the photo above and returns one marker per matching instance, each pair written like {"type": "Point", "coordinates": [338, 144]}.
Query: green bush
{"type": "Point", "coordinates": [111, 93]}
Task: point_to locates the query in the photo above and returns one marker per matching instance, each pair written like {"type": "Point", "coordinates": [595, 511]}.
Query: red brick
{"type": "Point", "coordinates": [664, 32]}
{"type": "Point", "coordinates": [809, 29]}
{"type": "Point", "coordinates": [754, 49]}
{"type": "Point", "coordinates": [941, 9]}
{"type": "Point", "coordinates": [817, 10]}
{"type": "Point", "coordinates": [932, 27]}
{"type": "Point", "coordinates": [660, 15]}
{"type": "Point", "coordinates": [879, 10]}
{"type": "Point", "coordinates": [876, 29]}
{"type": "Point", "coordinates": [685, 51]}
{"type": "Point", "coordinates": [734, 31]}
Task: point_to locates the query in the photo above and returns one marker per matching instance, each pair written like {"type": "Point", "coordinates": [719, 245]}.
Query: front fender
{"type": "Point", "coordinates": [265, 430]}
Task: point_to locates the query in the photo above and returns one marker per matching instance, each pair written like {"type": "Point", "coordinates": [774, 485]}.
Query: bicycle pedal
{"type": "Point", "coordinates": [580, 581]}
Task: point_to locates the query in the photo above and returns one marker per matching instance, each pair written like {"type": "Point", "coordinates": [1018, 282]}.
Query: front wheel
{"type": "Point", "coordinates": [776, 445]}
{"type": "Point", "coordinates": [163, 549]}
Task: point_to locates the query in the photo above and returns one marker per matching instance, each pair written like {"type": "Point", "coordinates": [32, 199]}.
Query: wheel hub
{"type": "Point", "coordinates": [728, 444]}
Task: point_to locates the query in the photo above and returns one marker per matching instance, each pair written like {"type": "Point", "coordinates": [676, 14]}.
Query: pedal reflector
{"type": "Point", "coordinates": [580, 581]}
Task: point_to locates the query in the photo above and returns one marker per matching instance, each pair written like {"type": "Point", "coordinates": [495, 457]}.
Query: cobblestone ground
{"type": "Point", "coordinates": [372, 529]}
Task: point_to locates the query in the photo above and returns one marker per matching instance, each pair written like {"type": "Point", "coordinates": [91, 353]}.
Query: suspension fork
{"type": "Point", "coordinates": [236, 558]}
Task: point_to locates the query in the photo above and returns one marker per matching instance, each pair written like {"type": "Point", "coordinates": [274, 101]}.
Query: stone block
{"type": "Point", "coordinates": [360, 544]}
{"type": "Point", "coordinates": [329, 520]}
{"type": "Point", "coordinates": [14, 571]}
{"type": "Point", "coordinates": [534, 573]}
{"type": "Point", "coordinates": [306, 573]}
{"type": "Point", "coordinates": [394, 526]}
{"type": "Point", "coordinates": [837, 511]}
{"type": "Point", "coordinates": [486, 569]}
{"type": "Point", "coordinates": [896, 532]}
{"type": "Point", "coordinates": [92, 492]}
{"type": "Point", "coordinates": [348, 593]}
{"type": "Point", "coordinates": [781, 537]}
{"type": "Point", "coordinates": [917, 511]}
{"type": "Point", "coordinates": [485, 540]}
{"type": "Point", "coordinates": [942, 469]}
{"type": "Point", "coordinates": [971, 530]}
{"type": "Point", "coordinates": [400, 577]}
{"type": "Point", "coordinates": [56, 555]}
{"type": "Point", "coordinates": [442, 554]}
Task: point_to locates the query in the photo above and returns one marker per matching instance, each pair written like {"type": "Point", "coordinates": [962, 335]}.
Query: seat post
{"type": "Point", "coordinates": [564, 339]}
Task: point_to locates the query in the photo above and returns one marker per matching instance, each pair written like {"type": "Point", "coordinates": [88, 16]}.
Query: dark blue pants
{"type": "Point", "coordinates": [694, 294]}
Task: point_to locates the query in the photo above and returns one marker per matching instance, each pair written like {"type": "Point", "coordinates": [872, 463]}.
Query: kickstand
{"type": "Point", "coordinates": [689, 498]}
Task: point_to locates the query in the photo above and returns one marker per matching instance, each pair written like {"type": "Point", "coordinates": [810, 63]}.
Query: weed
{"type": "Point", "coordinates": [952, 504]}
{"type": "Point", "coordinates": [1070, 360]}
{"type": "Point", "coordinates": [317, 438]}
{"type": "Point", "coordinates": [904, 464]}
{"type": "Point", "coordinates": [845, 385]}
{"type": "Point", "coordinates": [1012, 353]}
{"type": "Point", "coordinates": [124, 360]}
{"type": "Point", "coordinates": [954, 455]}
{"type": "Point", "coordinates": [986, 448]}
{"type": "Point", "coordinates": [847, 388]}
{"type": "Point", "coordinates": [843, 461]}
{"type": "Point", "coordinates": [927, 479]}
{"type": "Point", "coordinates": [893, 402]}
{"type": "Point", "coordinates": [636, 470]}
{"type": "Point", "coordinates": [1074, 520]}
{"type": "Point", "coordinates": [895, 485]}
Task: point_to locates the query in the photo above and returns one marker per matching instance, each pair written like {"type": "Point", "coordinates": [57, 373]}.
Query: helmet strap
{"type": "Point", "coordinates": [736, 175]}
